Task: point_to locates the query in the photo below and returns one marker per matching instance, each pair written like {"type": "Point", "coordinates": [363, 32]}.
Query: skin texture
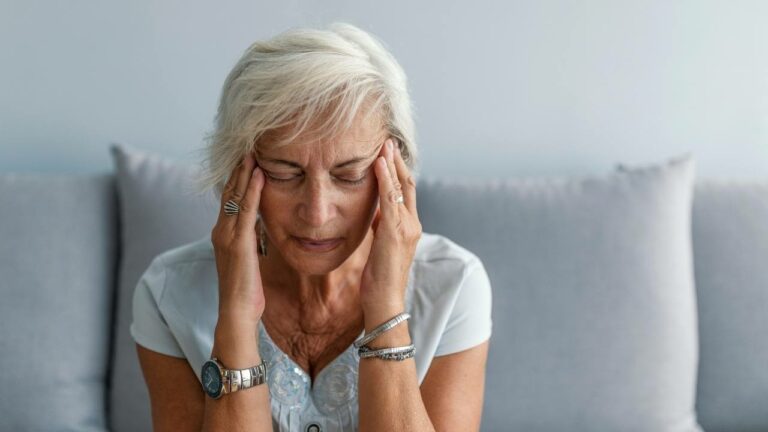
{"type": "Point", "coordinates": [314, 305]}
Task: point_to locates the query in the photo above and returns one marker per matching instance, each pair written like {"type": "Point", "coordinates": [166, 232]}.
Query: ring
{"type": "Point", "coordinates": [400, 199]}
{"type": "Point", "coordinates": [231, 208]}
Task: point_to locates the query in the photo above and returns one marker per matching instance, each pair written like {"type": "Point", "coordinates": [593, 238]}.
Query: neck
{"type": "Point", "coordinates": [314, 295]}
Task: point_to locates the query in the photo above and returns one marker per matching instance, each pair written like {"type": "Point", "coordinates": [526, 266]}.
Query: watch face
{"type": "Point", "coordinates": [211, 379]}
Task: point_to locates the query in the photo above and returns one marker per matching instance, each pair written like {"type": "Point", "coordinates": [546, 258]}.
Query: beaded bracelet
{"type": "Point", "coordinates": [394, 353]}
{"type": "Point", "coordinates": [382, 328]}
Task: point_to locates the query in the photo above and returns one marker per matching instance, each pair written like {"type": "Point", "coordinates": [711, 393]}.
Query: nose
{"type": "Point", "coordinates": [316, 206]}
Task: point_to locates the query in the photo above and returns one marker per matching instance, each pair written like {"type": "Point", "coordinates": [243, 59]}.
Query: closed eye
{"type": "Point", "coordinates": [353, 182]}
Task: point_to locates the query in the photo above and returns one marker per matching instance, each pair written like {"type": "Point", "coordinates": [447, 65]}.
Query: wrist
{"type": "Point", "coordinates": [236, 314]}
{"type": "Point", "coordinates": [380, 312]}
{"type": "Point", "coordinates": [236, 345]}
{"type": "Point", "coordinates": [234, 329]}
{"type": "Point", "coordinates": [374, 317]}
{"type": "Point", "coordinates": [236, 317]}
{"type": "Point", "coordinates": [399, 335]}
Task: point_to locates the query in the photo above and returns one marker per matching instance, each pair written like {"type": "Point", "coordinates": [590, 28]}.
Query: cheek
{"type": "Point", "coordinates": [272, 203]}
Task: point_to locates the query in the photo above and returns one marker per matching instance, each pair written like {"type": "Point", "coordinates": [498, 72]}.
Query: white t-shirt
{"type": "Point", "coordinates": [175, 309]}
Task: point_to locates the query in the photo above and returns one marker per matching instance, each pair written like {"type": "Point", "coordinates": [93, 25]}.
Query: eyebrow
{"type": "Point", "coordinates": [340, 165]}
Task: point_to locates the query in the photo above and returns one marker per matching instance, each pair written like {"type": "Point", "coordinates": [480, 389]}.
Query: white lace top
{"type": "Point", "coordinates": [175, 310]}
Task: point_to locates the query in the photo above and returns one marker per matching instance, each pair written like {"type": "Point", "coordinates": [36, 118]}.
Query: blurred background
{"type": "Point", "coordinates": [502, 88]}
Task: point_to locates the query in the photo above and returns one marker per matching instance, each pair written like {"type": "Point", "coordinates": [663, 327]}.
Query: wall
{"type": "Point", "coordinates": [501, 88]}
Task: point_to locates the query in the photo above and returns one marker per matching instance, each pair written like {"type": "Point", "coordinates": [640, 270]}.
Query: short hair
{"type": "Point", "coordinates": [299, 77]}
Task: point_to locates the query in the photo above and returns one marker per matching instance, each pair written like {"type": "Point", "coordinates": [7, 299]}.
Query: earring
{"type": "Point", "coordinates": [262, 241]}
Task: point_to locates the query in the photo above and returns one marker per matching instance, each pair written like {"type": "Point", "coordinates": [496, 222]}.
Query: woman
{"type": "Point", "coordinates": [316, 264]}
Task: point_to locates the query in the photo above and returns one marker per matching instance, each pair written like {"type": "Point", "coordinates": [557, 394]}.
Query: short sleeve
{"type": "Point", "coordinates": [469, 323]}
{"type": "Point", "coordinates": [149, 329]}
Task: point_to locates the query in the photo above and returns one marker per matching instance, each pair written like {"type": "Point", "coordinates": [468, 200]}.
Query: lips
{"type": "Point", "coordinates": [318, 245]}
{"type": "Point", "coordinates": [317, 241]}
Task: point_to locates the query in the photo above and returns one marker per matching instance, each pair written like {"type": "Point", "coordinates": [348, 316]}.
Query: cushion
{"type": "Point", "coordinates": [593, 295]}
{"type": "Point", "coordinates": [159, 210]}
{"type": "Point", "coordinates": [730, 238]}
{"type": "Point", "coordinates": [58, 257]}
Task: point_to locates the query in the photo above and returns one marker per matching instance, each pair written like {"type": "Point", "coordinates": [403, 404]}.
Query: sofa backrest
{"type": "Point", "coordinates": [59, 260]}
{"type": "Point", "coordinates": [489, 217]}
{"type": "Point", "coordinates": [730, 243]}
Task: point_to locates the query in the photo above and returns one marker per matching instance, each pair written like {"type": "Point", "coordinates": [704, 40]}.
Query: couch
{"type": "Point", "coordinates": [630, 300]}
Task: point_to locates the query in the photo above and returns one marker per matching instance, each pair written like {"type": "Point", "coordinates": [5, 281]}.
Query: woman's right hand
{"type": "Point", "coordinates": [234, 238]}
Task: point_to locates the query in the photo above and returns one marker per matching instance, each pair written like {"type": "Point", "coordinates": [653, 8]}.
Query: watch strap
{"type": "Point", "coordinates": [241, 379]}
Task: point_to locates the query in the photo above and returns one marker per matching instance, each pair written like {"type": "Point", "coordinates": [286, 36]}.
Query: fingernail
{"type": "Point", "coordinates": [389, 144]}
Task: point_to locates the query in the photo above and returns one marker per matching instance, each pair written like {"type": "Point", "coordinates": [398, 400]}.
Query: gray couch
{"type": "Point", "coordinates": [631, 300]}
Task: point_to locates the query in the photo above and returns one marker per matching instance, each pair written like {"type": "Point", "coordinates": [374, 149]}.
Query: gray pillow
{"type": "Point", "coordinates": [58, 257]}
{"type": "Point", "coordinates": [159, 210]}
{"type": "Point", "coordinates": [595, 321]}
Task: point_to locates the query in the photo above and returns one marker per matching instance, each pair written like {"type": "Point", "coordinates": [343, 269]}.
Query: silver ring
{"type": "Point", "coordinates": [231, 208]}
{"type": "Point", "coordinates": [400, 199]}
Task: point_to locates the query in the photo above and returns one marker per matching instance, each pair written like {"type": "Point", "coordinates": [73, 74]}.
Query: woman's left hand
{"type": "Point", "coordinates": [397, 231]}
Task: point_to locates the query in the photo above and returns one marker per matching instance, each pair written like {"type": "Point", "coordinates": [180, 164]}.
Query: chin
{"type": "Point", "coordinates": [315, 266]}
{"type": "Point", "coordinates": [313, 263]}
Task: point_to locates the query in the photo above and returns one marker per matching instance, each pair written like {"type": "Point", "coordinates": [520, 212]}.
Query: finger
{"type": "Point", "coordinates": [408, 184]}
{"type": "Point", "coordinates": [235, 189]}
{"type": "Point", "coordinates": [387, 192]}
{"type": "Point", "coordinates": [376, 219]}
{"type": "Point", "coordinates": [390, 154]}
{"type": "Point", "coordinates": [249, 205]}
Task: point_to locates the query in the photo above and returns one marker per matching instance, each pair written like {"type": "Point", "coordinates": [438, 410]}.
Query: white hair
{"type": "Point", "coordinates": [296, 79]}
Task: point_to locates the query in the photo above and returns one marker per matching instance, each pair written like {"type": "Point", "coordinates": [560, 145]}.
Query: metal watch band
{"type": "Point", "coordinates": [241, 379]}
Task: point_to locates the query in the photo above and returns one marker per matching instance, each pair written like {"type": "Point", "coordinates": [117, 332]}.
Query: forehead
{"type": "Point", "coordinates": [364, 135]}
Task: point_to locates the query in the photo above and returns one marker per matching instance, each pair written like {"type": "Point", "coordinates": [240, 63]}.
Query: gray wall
{"type": "Point", "coordinates": [500, 88]}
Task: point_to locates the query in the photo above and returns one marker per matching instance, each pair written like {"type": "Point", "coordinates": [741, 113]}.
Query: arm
{"type": "Point", "coordinates": [177, 399]}
{"type": "Point", "coordinates": [453, 389]}
{"type": "Point", "coordinates": [388, 390]}
{"type": "Point", "coordinates": [389, 395]}
{"type": "Point", "coordinates": [175, 394]}
{"type": "Point", "coordinates": [244, 410]}
{"type": "Point", "coordinates": [241, 303]}
{"type": "Point", "coordinates": [450, 398]}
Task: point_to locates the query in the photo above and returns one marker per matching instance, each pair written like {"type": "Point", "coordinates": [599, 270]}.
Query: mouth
{"type": "Point", "coordinates": [318, 245]}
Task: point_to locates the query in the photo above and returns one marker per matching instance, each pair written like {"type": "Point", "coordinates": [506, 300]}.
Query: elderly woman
{"type": "Point", "coordinates": [317, 303]}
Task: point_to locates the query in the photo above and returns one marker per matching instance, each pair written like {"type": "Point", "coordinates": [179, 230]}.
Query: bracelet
{"type": "Point", "coordinates": [394, 353]}
{"type": "Point", "coordinates": [381, 329]}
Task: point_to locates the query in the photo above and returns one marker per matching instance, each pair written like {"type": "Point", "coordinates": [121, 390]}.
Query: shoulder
{"type": "Point", "coordinates": [198, 253]}
{"type": "Point", "coordinates": [175, 304]}
{"type": "Point", "coordinates": [449, 299]}
{"type": "Point", "coordinates": [188, 274]}
{"type": "Point", "coordinates": [441, 267]}
{"type": "Point", "coordinates": [195, 251]}
{"type": "Point", "coordinates": [438, 256]}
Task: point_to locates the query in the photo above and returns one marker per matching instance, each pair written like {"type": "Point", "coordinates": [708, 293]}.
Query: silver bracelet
{"type": "Point", "coordinates": [398, 357]}
{"type": "Point", "coordinates": [381, 329]}
{"type": "Point", "coordinates": [393, 353]}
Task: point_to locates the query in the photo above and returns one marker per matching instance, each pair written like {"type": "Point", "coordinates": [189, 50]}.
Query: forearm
{"type": "Point", "coordinates": [243, 410]}
{"type": "Point", "coordinates": [388, 390]}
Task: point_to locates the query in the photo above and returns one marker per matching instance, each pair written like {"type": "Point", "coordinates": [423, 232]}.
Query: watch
{"type": "Point", "coordinates": [218, 380]}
